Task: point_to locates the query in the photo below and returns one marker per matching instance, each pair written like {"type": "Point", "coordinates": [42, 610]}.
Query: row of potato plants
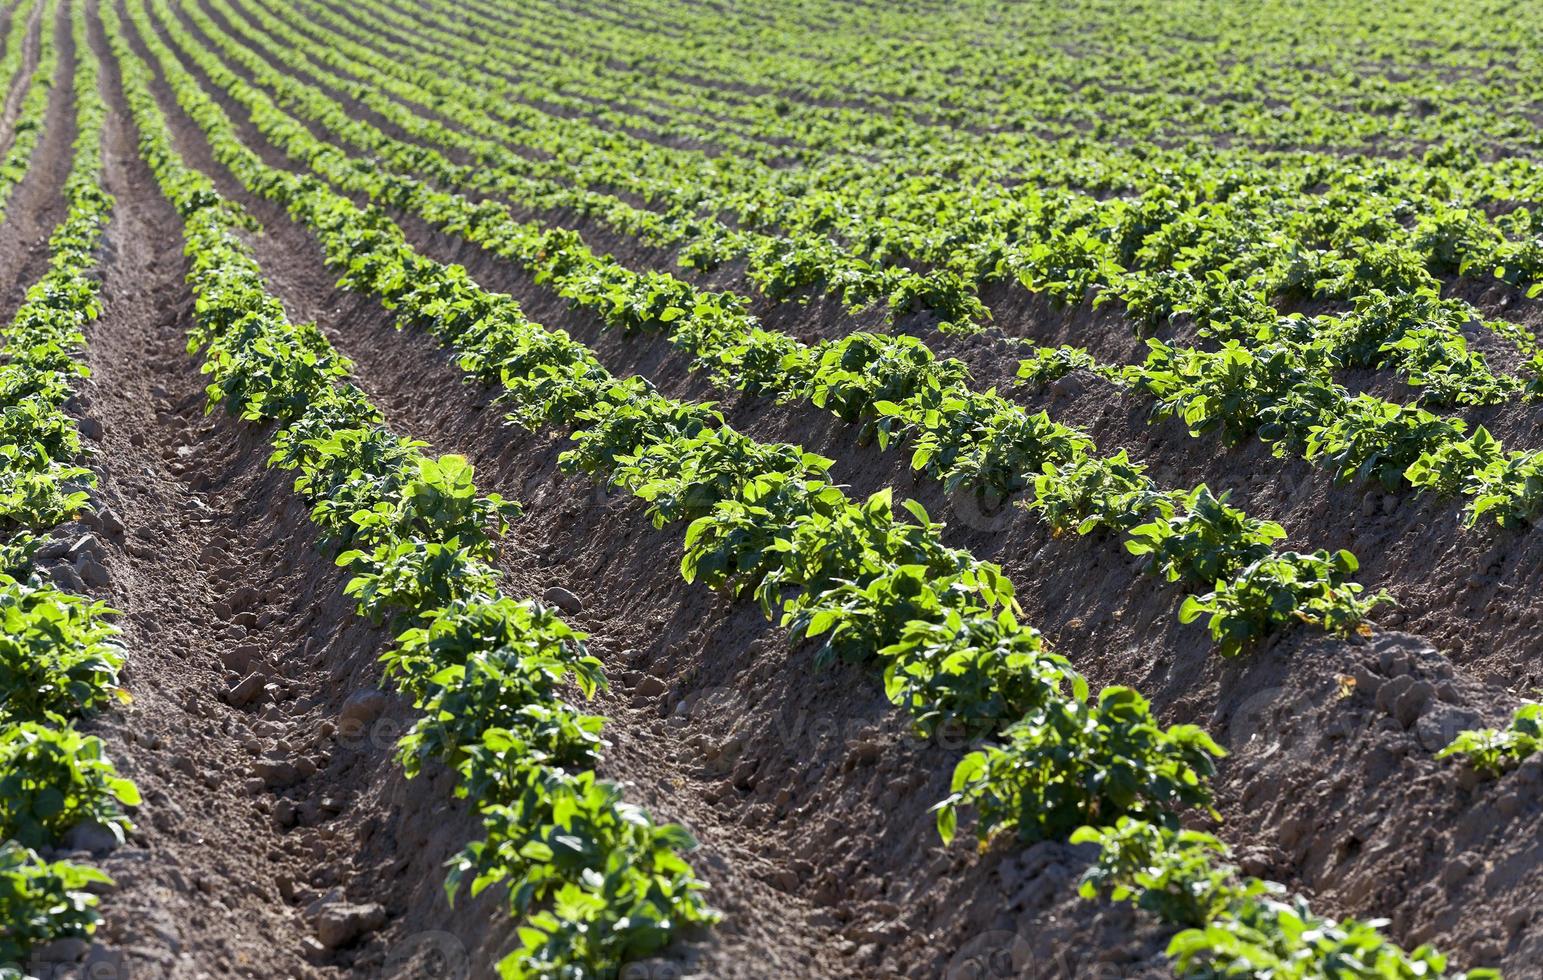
{"type": "Point", "coordinates": [18, 15]}
{"type": "Point", "coordinates": [929, 215]}
{"type": "Point", "coordinates": [893, 386]}
{"type": "Point", "coordinates": [540, 75]}
{"type": "Point", "coordinates": [1283, 393]}
{"type": "Point", "coordinates": [594, 878]}
{"type": "Point", "coordinates": [536, 53]}
{"type": "Point", "coordinates": [59, 656]}
{"type": "Point", "coordinates": [1273, 377]}
{"type": "Point", "coordinates": [12, 43]}
{"type": "Point", "coordinates": [13, 50]}
{"type": "Point", "coordinates": [764, 521]}
{"type": "Point", "coordinates": [27, 131]}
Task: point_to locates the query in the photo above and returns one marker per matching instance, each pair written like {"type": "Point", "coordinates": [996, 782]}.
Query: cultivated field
{"type": "Point", "coordinates": [822, 489]}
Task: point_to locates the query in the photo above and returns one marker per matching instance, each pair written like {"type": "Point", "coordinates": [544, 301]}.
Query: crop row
{"type": "Point", "coordinates": [59, 660]}
{"type": "Point", "coordinates": [1283, 392]}
{"type": "Point", "coordinates": [1272, 375]}
{"type": "Point", "coordinates": [12, 43]}
{"type": "Point", "coordinates": [596, 880]}
{"type": "Point", "coordinates": [27, 131]}
{"type": "Point", "coordinates": [893, 386]}
{"type": "Point", "coordinates": [13, 50]}
{"type": "Point", "coordinates": [763, 520]}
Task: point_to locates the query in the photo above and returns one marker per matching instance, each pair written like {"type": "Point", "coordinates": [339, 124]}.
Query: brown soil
{"type": "Point", "coordinates": [809, 796]}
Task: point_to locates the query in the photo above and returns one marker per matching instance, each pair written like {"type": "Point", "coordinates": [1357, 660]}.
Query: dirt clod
{"type": "Point", "coordinates": [246, 691]}
{"type": "Point", "coordinates": [340, 924]}
{"type": "Point", "coordinates": [564, 600]}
